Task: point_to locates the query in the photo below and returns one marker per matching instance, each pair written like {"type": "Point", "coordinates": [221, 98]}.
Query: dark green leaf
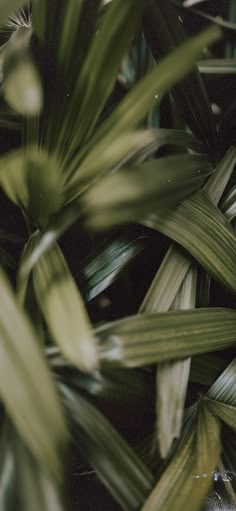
{"type": "Point", "coordinates": [164, 32]}
{"type": "Point", "coordinates": [108, 261]}
{"type": "Point", "coordinates": [116, 464]}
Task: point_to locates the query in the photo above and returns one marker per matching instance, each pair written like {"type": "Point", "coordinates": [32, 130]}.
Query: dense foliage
{"type": "Point", "coordinates": [118, 255]}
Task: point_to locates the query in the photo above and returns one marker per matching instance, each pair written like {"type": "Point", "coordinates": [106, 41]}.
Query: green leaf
{"type": "Point", "coordinates": [164, 32]}
{"type": "Point", "coordinates": [149, 338]}
{"type": "Point", "coordinates": [150, 90]}
{"type": "Point", "coordinates": [64, 311]}
{"type": "Point", "coordinates": [116, 464]}
{"type": "Point", "coordinates": [21, 82]}
{"type": "Point", "coordinates": [97, 164]}
{"type": "Point", "coordinates": [226, 413]}
{"type": "Point", "coordinates": [126, 195]}
{"type": "Point", "coordinates": [93, 89]}
{"type": "Point", "coordinates": [195, 223]}
{"type": "Point", "coordinates": [35, 489]}
{"type": "Point", "coordinates": [217, 66]}
{"type": "Point", "coordinates": [167, 281]}
{"type": "Point", "coordinates": [172, 377]}
{"type": "Point", "coordinates": [205, 369]}
{"type": "Point", "coordinates": [8, 8]}
{"type": "Point", "coordinates": [107, 262]}
{"type": "Point", "coordinates": [133, 148]}
{"type": "Point", "coordinates": [180, 486]}
{"type": "Point", "coordinates": [29, 395]}
{"type": "Point", "coordinates": [32, 181]}
{"type": "Point", "coordinates": [7, 472]}
{"type": "Point", "coordinates": [223, 389]}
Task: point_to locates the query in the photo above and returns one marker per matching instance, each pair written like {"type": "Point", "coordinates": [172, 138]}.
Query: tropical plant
{"type": "Point", "coordinates": [118, 254]}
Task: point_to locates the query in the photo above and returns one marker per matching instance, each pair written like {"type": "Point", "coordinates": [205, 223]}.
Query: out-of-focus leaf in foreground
{"type": "Point", "coordinates": [29, 395]}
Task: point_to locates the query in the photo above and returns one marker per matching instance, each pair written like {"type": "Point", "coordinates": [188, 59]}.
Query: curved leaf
{"type": "Point", "coordinates": [195, 224]}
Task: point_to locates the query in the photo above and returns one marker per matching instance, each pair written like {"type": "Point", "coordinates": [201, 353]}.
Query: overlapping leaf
{"type": "Point", "coordinates": [116, 464]}
{"type": "Point", "coordinates": [29, 395]}
{"type": "Point", "coordinates": [64, 310]}
{"type": "Point", "coordinates": [180, 486]}
{"type": "Point", "coordinates": [150, 338]}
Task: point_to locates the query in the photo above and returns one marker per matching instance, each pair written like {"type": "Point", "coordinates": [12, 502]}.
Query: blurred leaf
{"type": "Point", "coordinates": [108, 261]}
{"type": "Point", "coordinates": [64, 310]}
{"type": "Point", "coordinates": [126, 117]}
{"type": "Point", "coordinates": [29, 395]}
{"type": "Point", "coordinates": [116, 464]}
{"type": "Point", "coordinates": [180, 486]}
{"type": "Point", "coordinates": [93, 88]}
{"type": "Point", "coordinates": [7, 472]}
{"type": "Point", "coordinates": [149, 338]}
{"type": "Point", "coordinates": [21, 81]}
{"type": "Point", "coordinates": [150, 90]}
{"type": "Point", "coordinates": [35, 489]}
{"type": "Point", "coordinates": [128, 194]}
{"type": "Point", "coordinates": [217, 66]}
{"type": "Point", "coordinates": [202, 19]}
{"type": "Point", "coordinates": [8, 8]}
{"type": "Point", "coordinates": [32, 181]}
{"type": "Point", "coordinates": [97, 164]}
{"type": "Point", "coordinates": [164, 32]}
{"type": "Point", "coordinates": [132, 148]}
{"type": "Point", "coordinates": [6, 259]}
{"type": "Point", "coordinates": [195, 223]}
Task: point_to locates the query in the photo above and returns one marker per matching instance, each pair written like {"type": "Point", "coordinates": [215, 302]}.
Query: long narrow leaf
{"type": "Point", "coordinates": [29, 396]}
{"type": "Point", "coordinates": [64, 310]}
{"type": "Point", "coordinates": [147, 339]}
{"type": "Point", "coordinates": [116, 464]}
{"type": "Point", "coordinates": [180, 486]}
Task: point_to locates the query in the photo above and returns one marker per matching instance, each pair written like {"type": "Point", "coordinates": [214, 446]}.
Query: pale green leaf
{"type": "Point", "coordinates": [217, 66]}
{"type": "Point", "coordinates": [181, 486]}
{"type": "Point", "coordinates": [64, 310]}
{"type": "Point", "coordinates": [149, 338]}
{"type": "Point", "coordinates": [29, 395]}
{"type": "Point", "coordinates": [127, 194]}
{"type": "Point", "coordinates": [8, 8]}
{"type": "Point", "coordinates": [172, 377]}
{"type": "Point", "coordinates": [32, 180]}
{"type": "Point", "coordinates": [21, 81]}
